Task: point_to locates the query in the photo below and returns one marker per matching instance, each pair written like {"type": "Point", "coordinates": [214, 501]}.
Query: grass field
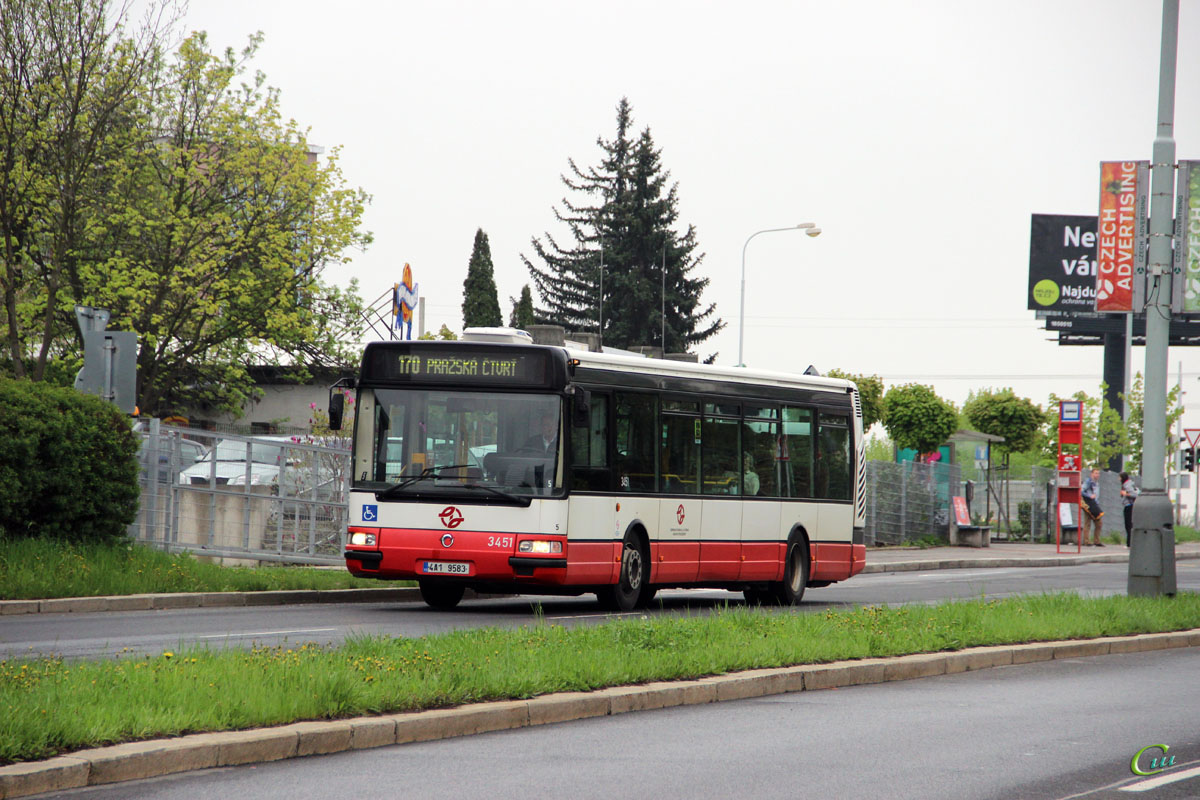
{"type": "Point", "coordinates": [36, 569]}
{"type": "Point", "coordinates": [50, 706]}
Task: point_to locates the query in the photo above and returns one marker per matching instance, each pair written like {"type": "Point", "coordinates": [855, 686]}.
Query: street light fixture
{"type": "Point", "coordinates": [809, 228]}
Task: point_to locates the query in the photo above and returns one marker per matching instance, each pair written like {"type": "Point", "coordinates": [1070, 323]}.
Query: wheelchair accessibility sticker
{"type": "Point", "coordinates": [370, 513]}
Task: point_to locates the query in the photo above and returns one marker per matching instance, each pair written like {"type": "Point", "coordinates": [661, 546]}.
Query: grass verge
{"type": "Point", "coordinates": [39, 568]}
{"type": "Point", "coordinates": [51, 706]}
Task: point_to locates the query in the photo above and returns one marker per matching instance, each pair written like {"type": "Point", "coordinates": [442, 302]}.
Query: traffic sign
{"type": "Point", "coordinates": [1193, 436]}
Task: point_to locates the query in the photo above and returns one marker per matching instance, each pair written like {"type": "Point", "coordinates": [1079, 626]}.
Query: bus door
{"type": "Point", "coordinates": [676, 544]}
{"type": "Point", "coordinates": [722, 486]}
{"type": "Point", "coordinates": [762, 460]}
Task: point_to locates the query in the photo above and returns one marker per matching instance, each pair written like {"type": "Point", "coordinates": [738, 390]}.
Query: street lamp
{"type": "Point", "coordinates": [809, 228]}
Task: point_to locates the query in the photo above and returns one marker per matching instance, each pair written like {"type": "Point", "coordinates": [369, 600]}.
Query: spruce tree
{"type": "Point", "coordinates": [623, 218]}
{"type": "Point", "coordinates": [522, 314]}
{"type": "Point", "coordinates": [481, 304]}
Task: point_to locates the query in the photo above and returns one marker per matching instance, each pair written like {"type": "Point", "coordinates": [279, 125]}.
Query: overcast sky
{"type": "Point", "coordinates": [919, 136]}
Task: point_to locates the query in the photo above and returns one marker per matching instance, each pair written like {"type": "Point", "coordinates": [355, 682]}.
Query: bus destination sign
{"type": "Point", "coordinates": [461, 367]}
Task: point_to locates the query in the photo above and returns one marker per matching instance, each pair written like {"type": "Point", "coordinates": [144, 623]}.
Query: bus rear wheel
{"type": "Point", "coordinates": [790, 590]}
{"type": "Point", "coordinates": [632, 589]}
{"type": "Point", "coordinates": [444, 596]}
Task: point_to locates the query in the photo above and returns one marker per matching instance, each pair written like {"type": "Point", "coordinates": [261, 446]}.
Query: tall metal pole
{"type": "Point", "coordinates": [1152, 546]}
{"type": "Point", "coordinates": [600, 324]}
{"type": "Point", "coordinates": [808, 227]}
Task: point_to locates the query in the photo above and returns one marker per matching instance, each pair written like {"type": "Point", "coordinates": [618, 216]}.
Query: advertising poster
{"type": "Point", "coordinates": [1187, 241]}
{"type": "Point", "coordinates": [1117, 229]}
{"type": "Point", "coordinates": [1062, 263]}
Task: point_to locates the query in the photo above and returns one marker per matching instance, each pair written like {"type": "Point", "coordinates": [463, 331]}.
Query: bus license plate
{"type": "Point", "coordinates": [445, 568]}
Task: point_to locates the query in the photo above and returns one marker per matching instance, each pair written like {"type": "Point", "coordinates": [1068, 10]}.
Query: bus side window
{"type": "Point", "coordinates": [680, 454]}
{"type": "Point", "coordinates": [833, 457]}
{"type": "Point", "coordinates": [589, 448]}
{"type": "Point", "coordinates": [634, 459]}
{"type": "Point", "coordinates": [796, 452]}
{"type": "Point", "coordinates": [723, 465]}
{"type": "Point", "coordinates": [760, 443]}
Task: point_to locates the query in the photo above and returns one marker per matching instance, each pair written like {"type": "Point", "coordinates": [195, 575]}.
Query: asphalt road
{"type": "Point", "coordinates": [1062, 729]}
{"type": "Point", "coordinates": [116, 633]}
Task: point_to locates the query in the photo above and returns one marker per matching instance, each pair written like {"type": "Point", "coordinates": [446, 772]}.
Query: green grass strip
{"type": "Point", "coordinates": [39, 568]}
{"type": "Point", "coordinates": [54, 706]}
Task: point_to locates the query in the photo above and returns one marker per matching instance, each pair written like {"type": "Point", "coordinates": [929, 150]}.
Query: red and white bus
{"type": "Point", "coordinates": [514, 467]}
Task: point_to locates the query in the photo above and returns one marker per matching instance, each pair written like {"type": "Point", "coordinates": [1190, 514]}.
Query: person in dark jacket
{"type": "Point", "coordinates": [1089, 494]}
{"type": "Point", "coordinates": [1129, 493]}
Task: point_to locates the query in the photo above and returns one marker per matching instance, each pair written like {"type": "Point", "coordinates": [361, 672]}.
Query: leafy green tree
{"type": "Point", "coordinates": [1136, 425]}
{"type": "Point", "coordinates": [522, 315]}
{"type": "Point", "coordinates": [1002, 413]}
{"type": "Point", "coordinates": [879, 448]}
{"type": "Point", "coordinates": [205, 226]}
{"type": "Point", "coordinates": [444, 334]}
{"type": "Point", "coordinates": [915, 417]}
{"type": "Point", "coordinates": [72, 80]}
{"type": "Point", "coordinates": [870, 394]}
{"type": "Point", "coordinates": [623, 245]}
{"type": "Point", "coordinates": [481, 306]}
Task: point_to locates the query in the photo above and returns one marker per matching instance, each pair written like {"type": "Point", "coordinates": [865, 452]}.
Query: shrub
{"type": "Point", "coordinates": [68, 464]}
{"type": "Point", "coordinates": [1024, 517]}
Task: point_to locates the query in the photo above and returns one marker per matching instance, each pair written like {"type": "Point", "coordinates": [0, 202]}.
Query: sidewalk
{"type": "Point", "coordinates": [1003, 554]}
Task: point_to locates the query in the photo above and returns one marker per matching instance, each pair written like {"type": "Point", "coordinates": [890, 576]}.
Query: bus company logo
{"type": "Point", "coordinates": [451, 517]}
{"type": "Point", "coordinates": [1157, 764]}
{"type": "Point", "coordinates": [679, 515]}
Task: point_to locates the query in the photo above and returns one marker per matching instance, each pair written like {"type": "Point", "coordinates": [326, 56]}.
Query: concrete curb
{"type": "Point", "coordinates": [149, 759]}
{"type": "Point", "coordinates": [150, 602]}
{"type": "Point", "coordinates": [1016, 561]}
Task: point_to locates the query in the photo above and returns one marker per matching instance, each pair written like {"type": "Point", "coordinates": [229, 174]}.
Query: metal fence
{"type": "Point", "coordinates": [907, 502]}
{"type": "Point", "coordinates": [910, 502]}
{"type": "Point", "coordinates": [258, 498]}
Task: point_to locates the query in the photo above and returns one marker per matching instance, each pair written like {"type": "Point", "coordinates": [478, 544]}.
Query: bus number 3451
{"type": "Point", "coordinates": [500, 541]}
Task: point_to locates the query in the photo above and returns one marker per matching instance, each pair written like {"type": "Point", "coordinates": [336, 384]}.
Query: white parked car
{"type": "Point", "coordinates": [261, 461]}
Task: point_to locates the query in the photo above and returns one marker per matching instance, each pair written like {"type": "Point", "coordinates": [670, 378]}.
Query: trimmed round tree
{"type": "Point", "coordinates": [915, 417]}
{"type": "Point", "coordinates": [1002, 413]}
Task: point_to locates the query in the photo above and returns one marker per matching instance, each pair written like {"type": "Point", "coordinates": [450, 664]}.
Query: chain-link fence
{"type": "Point", "coordinates": [263, 498]}
{"type": "Point", "coordinates": [908, 502]}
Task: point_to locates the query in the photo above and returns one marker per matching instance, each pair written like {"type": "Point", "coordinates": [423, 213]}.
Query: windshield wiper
{"type": "Point", "coordinates": [515, 499]}
{"type": "Point", "coordinates": [428, 472]}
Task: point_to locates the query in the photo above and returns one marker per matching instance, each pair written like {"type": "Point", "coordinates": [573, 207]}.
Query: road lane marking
{"type": "Point", "coordinates": [264, 633]}
{"type": "Point", "coordinates": [1161, 780]}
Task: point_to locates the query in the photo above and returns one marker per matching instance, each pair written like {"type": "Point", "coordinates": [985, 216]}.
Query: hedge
{"type": "Point", "coordinates": [68, 464]}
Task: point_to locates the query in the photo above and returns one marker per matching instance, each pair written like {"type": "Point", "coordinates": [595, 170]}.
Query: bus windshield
{"type": "Point", "coordinates": [422, 441]}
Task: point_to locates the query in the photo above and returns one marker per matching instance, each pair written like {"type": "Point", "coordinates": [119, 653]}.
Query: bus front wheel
{"type": "Point", "coordinates": [632, 589]}
{"type": "Point", "coordinates": [444, 596]}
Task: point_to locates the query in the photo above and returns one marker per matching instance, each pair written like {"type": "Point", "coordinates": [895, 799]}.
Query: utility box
{"type": "Point", "coordinates": [1154, 557]}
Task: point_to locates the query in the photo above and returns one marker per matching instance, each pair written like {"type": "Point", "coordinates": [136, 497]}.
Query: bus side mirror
{"type": "Point", "coordinates": [580, 408]}
{"type": "Point", "coordinates": [337, 405]}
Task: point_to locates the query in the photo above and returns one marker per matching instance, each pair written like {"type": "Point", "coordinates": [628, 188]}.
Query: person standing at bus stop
{"type": "Point", "coordinates": [1129, 493]}
{"type": "Point", "coordinates": [1089, 495]}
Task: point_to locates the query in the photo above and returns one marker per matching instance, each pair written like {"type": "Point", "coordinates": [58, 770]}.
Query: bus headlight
{"type": "Point", "coordinates": [539, 546]}
{"type": "Point", "coordinates": [364, 539]}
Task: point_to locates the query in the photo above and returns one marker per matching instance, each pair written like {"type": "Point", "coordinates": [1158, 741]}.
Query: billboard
{"type": "Point", "coordinates": [1120, 233]}
{"type": "Point", "coordinates": [1062, 262]}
